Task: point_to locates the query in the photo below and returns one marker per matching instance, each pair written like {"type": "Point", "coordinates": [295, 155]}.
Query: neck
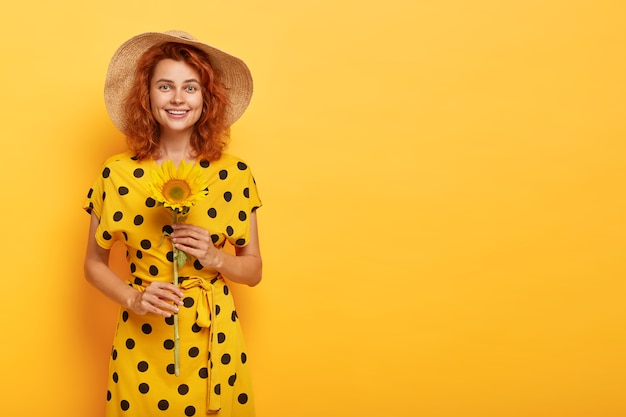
{"type": "Point", "coordinates": [176, 148]}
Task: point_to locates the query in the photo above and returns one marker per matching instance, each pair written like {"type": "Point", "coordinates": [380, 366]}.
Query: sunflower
{"type": "Point", "coordinates": [178, 188]}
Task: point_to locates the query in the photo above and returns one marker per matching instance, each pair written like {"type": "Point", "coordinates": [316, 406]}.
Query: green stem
{"type": "Point", "coordinates": [176, 335]}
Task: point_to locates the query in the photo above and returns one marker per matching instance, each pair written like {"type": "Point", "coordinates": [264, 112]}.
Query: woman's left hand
{"type": "Point", "coordinates": [197, 242]}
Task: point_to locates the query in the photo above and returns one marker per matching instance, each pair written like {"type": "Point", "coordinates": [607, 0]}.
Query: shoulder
{"type": "Point", "coordinates": [119, 163]}
{"type": "Point", "coordinates": [121, 159]}
{"type": "Point", "coordinates": [229, 161]}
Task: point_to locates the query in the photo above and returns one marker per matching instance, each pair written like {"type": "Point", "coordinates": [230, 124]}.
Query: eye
{"type": "Point", "coordinates": [164, 87]}
{"type": "Point", "coordinates": [191, 89]}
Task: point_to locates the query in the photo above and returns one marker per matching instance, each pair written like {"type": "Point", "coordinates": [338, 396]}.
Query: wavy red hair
{"type": "Point", "coordinates": [210, 136]}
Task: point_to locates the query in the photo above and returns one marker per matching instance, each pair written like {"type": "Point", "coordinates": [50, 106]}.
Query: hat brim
{"type": "Point", "coordinates": [234, 74]}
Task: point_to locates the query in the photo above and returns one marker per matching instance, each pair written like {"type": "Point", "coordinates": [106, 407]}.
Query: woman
{"type": "Point", "coordinates": [174, 98]}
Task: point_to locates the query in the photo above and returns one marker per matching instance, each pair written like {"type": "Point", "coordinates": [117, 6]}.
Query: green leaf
{"type": "Point", "coordinates": [181, 258]}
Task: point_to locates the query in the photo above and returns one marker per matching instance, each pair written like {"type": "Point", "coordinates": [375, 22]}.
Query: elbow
{"type": "Point", "coordinates": [88, 271]}
{"type": "Point", "coordinates": [255, 278]}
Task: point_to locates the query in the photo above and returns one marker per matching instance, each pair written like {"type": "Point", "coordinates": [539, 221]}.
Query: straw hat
{"type": "Point", "coordinates": [235, 75]}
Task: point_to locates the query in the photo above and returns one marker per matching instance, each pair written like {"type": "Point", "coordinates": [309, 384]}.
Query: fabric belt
{"type": "Point", "coordinates": [205, 314]}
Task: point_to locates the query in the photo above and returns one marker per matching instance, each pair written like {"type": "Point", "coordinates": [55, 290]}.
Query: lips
{"type": "Point", "coordinates": [177, 112]}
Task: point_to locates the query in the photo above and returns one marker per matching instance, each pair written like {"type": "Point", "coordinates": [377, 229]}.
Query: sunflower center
{"type": "Point", "coordinates": [176, 190]}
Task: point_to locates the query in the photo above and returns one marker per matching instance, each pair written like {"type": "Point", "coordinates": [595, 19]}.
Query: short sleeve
{"type": "Point", "coordinates": [94, 203]}
{"type": "Point", "coordinates": [96, 194]}
{"type": "Point", "coordinates": [246, 185]}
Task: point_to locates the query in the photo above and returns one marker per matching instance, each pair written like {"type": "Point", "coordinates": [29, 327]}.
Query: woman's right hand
{"type": "Point", "coordinates": [161, 298]}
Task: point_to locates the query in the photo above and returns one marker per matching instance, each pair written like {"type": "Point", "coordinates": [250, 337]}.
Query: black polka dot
{"type": "Point", "coordinates": [214, 238]}
{"type": "Point", "coordinates": [138, 220]}
{"type": "Point", "coordinates": [114, 354]}
{"type": "Point", "coordinates": [197, 265]}
{"type": "Point", "coordinates": [138, 173]}
{"type": "Point", "coordinates": [115, 377]}
{"type": "Point", "coordinates": [193, 352]}
{"type": "Point", "coordinates": [125, 316]}
{"type": "Point", "coordinates": [125, 236]}
{"type": "Point", "coordinates": [190, 411]}
{"type": "Point", "coordinates": [217, 389]}
{"type": "Point", "coordinates": [133, 267]}
{"type": "Point", "coordinates": [144, 388]}
{"type": "Point", "coordinates": [229, 230]}
{"type": "Point", "coordinates": [125, 405]}
{"type": "Point", "coordinates": [183, 389]}
{"type": "Point", "coordinates": [154, 271]}
{"type": "Point", "coordinates": [109, 395]}
{"type": "Point", "coordinates": [146, 328]}
{"type": "Point", "coordinates": [90, 193]}
{"type": "Point", "coordinates": [221, 337]}
{"type": "Point", "coordinates": [188, 302]}
{"type": "Point", "coordinates": [195, 328]}
{"type": "Point", "coordinates": [145, 244]}
{"type": "Point", "coordinates": [139, 254]}
{"type": "Point", "coordinates": [233, 316]}
{"type": "Point", "coordinates": [244, 357]}
{"type": "Point", "coordinates": [104, 195]}
{"type": "Point", "coordinates": [130, 343]}
{"type": "Point", "coordinates": [228, 196]}
{"type": "Point", "coordinates": [242, 215]}
{"type": "Point", "coordinates": [169, 320]}
{"type": "Point", "coordinates": [117, 216]}
{"type": "Point", "coordinates": [242, 398]}
{"type": "Point", "coordinates": [223, 174]}
{"type": "Point", "coordinates": [171, 369]}
{"type": "Point", "coordinates": [170, 256]}
{"type": "Point", "coordinates": [163, 405]}
{"type": "Point", "coordinates": [203, 373]}
{"type": "Point", "coordinates": [168, 344]}
{"type": "Point", "coordinates": [204, 163]}
{"type": "Point", "coordinates": [138, 281]}
{"type": "Point", "coordinates": [212, 213]}
{"type": "Point", "coordinates": [240, 242]}
{"type": "Point", "coordinates": [225, 359]}
{"type": "Point", "coordinates": [225, 290]}
{"type": "Point", "coordinates": [122, 190]}
{"type": "Point", "coordinates": [246, 192]}
{"type": "Point", "coordinates": [232, 379]}
{"type": "Point", "coordinates": [150, 202]}
{"type": "Point", "coordinates": [106, 235]}
{"type": "Point", "coordinates": [217, 309]}
{"type": "Point", "coordinates": [142, 366]}
{"type": "Point", "coordinates": [106, 172]}
{"type": "Point", "coordinates": [242, 166]}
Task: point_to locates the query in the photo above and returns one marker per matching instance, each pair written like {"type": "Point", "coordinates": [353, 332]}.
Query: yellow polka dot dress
{"type": "Point", "coordinates": [214, 377]}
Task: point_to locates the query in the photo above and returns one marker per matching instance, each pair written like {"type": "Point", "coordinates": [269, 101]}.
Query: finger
{"type": "Point", "coordinates": [158, 306]}
{"type": "Point", "coordinates": [165, 291]}
{"type": "Point", "coordinates": [190, 231]}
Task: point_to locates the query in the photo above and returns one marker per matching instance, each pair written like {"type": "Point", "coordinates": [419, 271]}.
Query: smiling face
{"type": "Point", "coordinates": [175, 97]}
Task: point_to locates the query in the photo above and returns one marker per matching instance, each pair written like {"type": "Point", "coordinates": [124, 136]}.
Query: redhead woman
{"type": "Point", "coordinates": [178, 349]}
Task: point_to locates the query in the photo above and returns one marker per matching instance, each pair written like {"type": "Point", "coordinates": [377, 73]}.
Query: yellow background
{"type": "Point", "coordinates": [443, 226]}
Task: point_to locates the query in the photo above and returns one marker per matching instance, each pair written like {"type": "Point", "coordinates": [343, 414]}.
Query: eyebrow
{"type": "Point", "coordinates": [165, 80]}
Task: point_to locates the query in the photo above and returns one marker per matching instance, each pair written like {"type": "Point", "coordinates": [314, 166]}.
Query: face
{"type": "Point", "coordinates": [175, 97]}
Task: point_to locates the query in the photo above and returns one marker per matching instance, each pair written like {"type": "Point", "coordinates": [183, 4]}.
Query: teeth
{"type": "Point", "coordinates": [177, 112]}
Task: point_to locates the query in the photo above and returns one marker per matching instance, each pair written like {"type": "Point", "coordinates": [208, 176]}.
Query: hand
{"type": "Point", "coordinates": [197, 242]}
{"type": "Point", "coordinates": [160, 298]}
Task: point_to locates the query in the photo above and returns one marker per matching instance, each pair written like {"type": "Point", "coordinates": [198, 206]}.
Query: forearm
{"type": "Point", "coordinates": [106, 281]}
{"type": "Point", "coordinates": [243, 269]}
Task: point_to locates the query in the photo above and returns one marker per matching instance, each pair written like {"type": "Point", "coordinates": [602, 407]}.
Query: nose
{"type": "Point", "coordinates": [177, 97]}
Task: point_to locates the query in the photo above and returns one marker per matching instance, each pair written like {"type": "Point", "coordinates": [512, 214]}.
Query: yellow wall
{"type": "Point", "coordinates": [444, 211]}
